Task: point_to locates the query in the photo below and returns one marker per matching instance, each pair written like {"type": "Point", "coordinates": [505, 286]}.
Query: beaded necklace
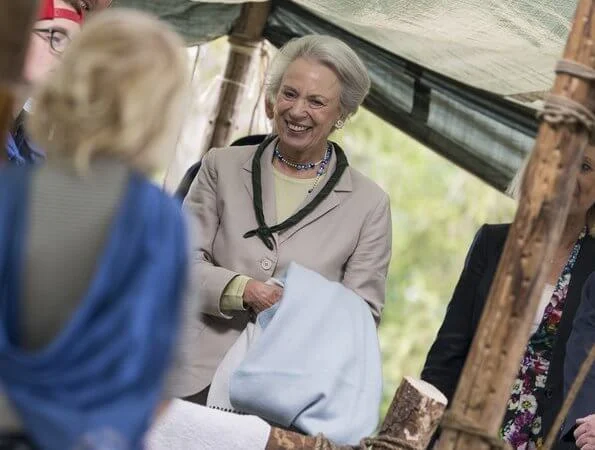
{"type": "Point", "coordinates": [301, 166]}
{"type": "Point", "coordinates": [306, 166]}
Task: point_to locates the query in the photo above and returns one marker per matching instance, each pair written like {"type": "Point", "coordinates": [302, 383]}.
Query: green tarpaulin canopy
{"type": "Point", "coordinates": [464, 77]}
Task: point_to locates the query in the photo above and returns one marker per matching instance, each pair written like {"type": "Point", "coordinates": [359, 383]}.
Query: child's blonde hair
{"type": "Point", "coordinates": [120, 90]}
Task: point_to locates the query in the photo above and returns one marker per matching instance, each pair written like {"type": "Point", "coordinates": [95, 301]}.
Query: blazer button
{"type": "Point", "coordinates": [266, 264]}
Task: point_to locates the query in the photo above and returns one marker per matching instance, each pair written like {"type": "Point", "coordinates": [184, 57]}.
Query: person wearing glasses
{"type": "Point", "coordinates": [57, 23]}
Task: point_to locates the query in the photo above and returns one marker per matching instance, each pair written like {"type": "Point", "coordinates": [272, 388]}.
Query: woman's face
{"type": "Point", "coordinates": [307, 106]}
{"type": "Point", "coordinates": [584, 193]}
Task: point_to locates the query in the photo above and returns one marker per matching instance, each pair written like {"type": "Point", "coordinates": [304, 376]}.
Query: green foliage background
{"type": "Point", "coordinates": [436, 210]}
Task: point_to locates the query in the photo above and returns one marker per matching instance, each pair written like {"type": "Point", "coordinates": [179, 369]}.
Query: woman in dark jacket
{"type": "Point", "coordinates": [538, 389]}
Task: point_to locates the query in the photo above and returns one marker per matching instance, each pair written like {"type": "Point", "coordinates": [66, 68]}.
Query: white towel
{"type": "Point", "coordinates": [187, 426]}
{"type": "Point", "coordinates": [219, 390]}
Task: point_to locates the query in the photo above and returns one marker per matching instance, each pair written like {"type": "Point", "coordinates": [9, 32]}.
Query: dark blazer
{"type": "Point", "coordinates": [447, 355]}
{"type": "Point", "coordinates": [579, 344]}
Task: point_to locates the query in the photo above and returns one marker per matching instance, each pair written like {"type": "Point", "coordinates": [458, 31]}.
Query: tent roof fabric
{"type": "Point", "coordinates": [505, 47]}
{"type": "Point", "coordinates": [462, 76]}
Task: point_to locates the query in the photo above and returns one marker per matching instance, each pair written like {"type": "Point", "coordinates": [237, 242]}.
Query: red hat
{"type": "Point", "coordinates": [48, 12]}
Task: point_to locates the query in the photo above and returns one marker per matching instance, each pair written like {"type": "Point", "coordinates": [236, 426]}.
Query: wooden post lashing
{"type": "Point", "coordinates": [244, 40]}
{"type": "Point", "coordinates": [493, 362]}
{"type": "Point", "coordinates": [16, 22]}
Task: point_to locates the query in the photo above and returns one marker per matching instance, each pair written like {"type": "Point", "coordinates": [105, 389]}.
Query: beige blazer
{"type": "Point", "coordinates": [347, 238]}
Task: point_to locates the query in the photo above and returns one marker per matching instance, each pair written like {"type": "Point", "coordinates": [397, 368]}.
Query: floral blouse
{"type": "Point", "coordinates": [521, 427]}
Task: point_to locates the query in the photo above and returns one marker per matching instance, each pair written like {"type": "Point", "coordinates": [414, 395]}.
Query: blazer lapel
{"type": "Point", "coordinates": [269, 200]}
{"type": "Point", "coordinates": [267, 183]}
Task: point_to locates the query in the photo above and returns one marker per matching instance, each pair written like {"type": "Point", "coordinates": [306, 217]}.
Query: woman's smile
{"type": "Point", "coordinates": [296, 128]}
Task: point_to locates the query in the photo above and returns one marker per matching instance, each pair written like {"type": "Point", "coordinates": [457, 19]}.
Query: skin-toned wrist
{"type": "Point", "coordinates": [259, 296]}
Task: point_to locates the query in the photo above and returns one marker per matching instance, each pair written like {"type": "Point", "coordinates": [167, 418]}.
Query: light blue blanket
{"type": "Point", "coordinates": [316, 365]}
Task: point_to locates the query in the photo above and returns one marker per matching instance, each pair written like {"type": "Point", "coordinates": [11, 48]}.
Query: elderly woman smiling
{"type": "Point", "coordinates": [292, 198]}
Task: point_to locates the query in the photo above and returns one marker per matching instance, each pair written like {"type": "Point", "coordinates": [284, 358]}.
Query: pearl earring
{"type": "Point", "coordinates": [339, 124]}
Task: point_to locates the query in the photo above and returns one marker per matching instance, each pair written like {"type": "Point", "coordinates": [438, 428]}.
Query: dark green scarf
{"type": "Point", "coordinates": [264, 232]}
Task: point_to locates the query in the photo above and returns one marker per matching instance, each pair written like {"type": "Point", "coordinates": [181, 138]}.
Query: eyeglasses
{"type": "Point", "coordinates": [56, 37]}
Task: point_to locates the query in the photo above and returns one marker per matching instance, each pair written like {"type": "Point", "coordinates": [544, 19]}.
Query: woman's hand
{"type": "Point", "coordinates": [585, 433]}
{"type": "Point", "coordinates": [259, 296]}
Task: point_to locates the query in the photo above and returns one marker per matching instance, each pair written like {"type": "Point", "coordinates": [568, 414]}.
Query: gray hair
{"type": "Point", "coordinates": [514, 191]}
{"type": "Point", "coordinates": [331, 52]}
{"type": "Point", "coordinates": [514, 187]}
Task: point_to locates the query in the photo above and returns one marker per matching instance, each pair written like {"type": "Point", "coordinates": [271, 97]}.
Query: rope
{"type": "Point", "coordinates": [243, 47]}
{"type": "Point", "coordinates": [568, 402]}
{"type": "Point", "coordinates": [575, 69]}
{"type": "Point", "coordinates": [322, 443]}
{"type": "Point", "coordinates": [558, 109]}
{"type": "Point", "coordinates": [233, 82]}
{"type": "Point", "coordinates": [384, 442]}
{"type": "Point", "coordinates": [264, 68]}
{"type": "Point", "coordinates": [456, 422]}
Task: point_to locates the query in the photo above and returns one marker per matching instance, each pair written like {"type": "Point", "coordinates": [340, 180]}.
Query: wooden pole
{"type": "Point", "coordinates": [244, 40]}
{"type": "Point", "coordinates": [16, 22]}
{"type": "Point", "coordinates": [503, 333]}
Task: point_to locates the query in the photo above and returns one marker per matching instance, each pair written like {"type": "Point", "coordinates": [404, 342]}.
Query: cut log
{"type": "Point", "coordinates": [412, 417]}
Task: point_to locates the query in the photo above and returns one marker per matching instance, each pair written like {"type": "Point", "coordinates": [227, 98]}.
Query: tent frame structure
{"type": "Point", "coordinates": [415, 100]}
